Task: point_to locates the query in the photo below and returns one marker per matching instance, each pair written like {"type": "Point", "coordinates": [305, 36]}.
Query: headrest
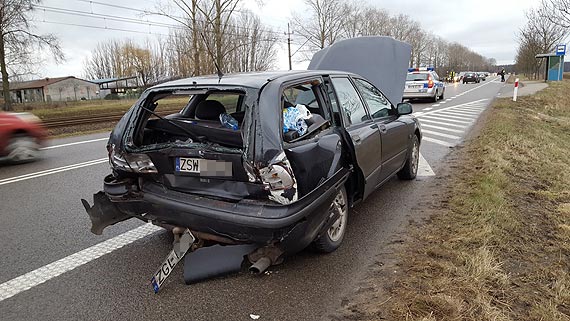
{"type": "Point", "coordinates": [209, 110]}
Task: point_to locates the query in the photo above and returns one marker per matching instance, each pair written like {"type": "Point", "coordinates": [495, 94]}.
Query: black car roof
{"type": "Point", "coordinates": [248, 79]}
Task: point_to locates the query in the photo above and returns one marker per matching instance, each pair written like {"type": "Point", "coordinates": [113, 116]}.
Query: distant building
{"type": "Point", "coordinates": [53, 89]}
{"type": "Point", "coordinates": [116, 85]}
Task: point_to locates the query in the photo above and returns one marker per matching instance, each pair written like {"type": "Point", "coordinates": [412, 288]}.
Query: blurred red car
{"type": "Point", "coordinates": [21, 137]}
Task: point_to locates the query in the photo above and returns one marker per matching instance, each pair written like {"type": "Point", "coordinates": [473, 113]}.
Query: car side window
{"type": "Point", "coordinates": [378, 105]}
{"type": "Point", "coordinates": [350, 101]}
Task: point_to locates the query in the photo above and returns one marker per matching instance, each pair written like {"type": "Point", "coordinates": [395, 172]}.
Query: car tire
{"type": "Point", "coordinates": [22, 149]}
{"type": "Point", "coordinates": [442, 95]}
{"type": "Point", "coordinates": [330, 240]}
{"type": "Point", "coordinates": [410, 169]}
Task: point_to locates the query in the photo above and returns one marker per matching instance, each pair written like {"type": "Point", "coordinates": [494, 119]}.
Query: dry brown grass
{"type": "Point", "coordinates": [498, 248]}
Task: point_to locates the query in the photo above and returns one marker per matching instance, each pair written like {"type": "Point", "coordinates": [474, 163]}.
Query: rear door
{"type": "Point", "coordinates": [362, 130]}
{"type": "Point", "coordinates": [394, 133]}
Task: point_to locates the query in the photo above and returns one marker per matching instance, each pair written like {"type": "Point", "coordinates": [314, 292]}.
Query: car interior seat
{"type": "Point", "coordinates": [209, 110]}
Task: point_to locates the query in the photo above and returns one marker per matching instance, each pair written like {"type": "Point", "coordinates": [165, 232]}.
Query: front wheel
{"type": "Point", "coordinates": [22, 149]}
{"type": "Point", "coordinates": [330, 241]}
{"type": "Point", "coordinates": [410, 169]}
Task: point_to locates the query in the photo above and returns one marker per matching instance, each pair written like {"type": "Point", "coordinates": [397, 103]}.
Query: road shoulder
{"type": "Point", "coordinates": [493, 241]}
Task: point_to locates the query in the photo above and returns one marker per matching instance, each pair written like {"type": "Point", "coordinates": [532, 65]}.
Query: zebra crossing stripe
{"type": "Point", "coordinates": [429, 121]}
{"type": "Point", "coordinates": [437, 141]}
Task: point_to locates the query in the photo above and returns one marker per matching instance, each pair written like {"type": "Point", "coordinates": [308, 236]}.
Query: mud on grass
{"type": "Point", "coordinates": [497, 243]}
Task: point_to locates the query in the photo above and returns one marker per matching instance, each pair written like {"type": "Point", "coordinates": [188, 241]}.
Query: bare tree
{"type": "Point", "coordinates": [539, 35]}
{"type": "Point", "coordinates": [326, 23]}
{"type": "Point", "coordinates": [117, 59]}
{"type": "Point", "coordinates": [19, 43]}
{"type": "Point", "coordinates": [557, 12]}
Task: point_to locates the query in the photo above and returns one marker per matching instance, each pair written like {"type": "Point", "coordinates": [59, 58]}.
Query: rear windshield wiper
{"type": "Point", "coordinates": [191, 134]}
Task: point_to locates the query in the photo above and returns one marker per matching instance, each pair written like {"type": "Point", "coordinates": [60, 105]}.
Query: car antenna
{"type": "Point", "coordinates": [220, 73]}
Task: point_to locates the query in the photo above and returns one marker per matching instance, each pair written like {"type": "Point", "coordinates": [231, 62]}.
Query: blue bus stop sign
{"type": "Point", "coordinates": [560, 50]}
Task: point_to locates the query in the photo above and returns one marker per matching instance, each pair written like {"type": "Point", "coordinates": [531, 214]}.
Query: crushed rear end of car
{"type": "Point", "coordinates": [229, 184]}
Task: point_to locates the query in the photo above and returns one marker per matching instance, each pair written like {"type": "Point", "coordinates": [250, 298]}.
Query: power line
{"type": "Point", "coordinates": [106, 17]}
{"type": "Point", "coordinates": [147, 12]}
{"type": "Point", "coordinates": [130, 30]}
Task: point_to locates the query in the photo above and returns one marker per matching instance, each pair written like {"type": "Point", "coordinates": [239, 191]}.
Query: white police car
{"type": "Point", "coordinates": [423, 83]}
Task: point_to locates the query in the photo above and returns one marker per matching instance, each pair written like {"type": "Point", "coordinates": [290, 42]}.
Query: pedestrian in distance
{"type": "Point", "coordinates": [502, 73]}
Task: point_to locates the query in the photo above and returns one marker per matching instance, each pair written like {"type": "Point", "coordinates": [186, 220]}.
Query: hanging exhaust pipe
{"type": "Point", "coordinates": [260, 265]}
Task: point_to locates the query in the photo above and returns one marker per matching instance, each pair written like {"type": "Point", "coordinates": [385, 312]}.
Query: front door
{"type": "Point", "coordinates": [363, 131]}
{"type": "Point", "coordinates": [393, 132]}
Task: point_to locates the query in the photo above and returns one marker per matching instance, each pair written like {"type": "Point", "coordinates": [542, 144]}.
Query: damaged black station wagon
{"type": "Point", "coordinates": [272, 159]}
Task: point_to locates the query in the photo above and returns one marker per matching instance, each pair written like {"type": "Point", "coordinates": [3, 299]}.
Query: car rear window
{"type": "Point", "coordinates": [417, 77]}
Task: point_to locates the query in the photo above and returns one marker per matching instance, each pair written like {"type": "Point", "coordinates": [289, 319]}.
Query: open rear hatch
{"type": "Point", "coordinates": [200, 149]}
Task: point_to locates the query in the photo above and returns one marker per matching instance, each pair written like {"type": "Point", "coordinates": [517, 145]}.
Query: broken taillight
{"type": "Point", "coordinates": [277, 177]}
{"type": "Point", "coordinates": [137, 163]}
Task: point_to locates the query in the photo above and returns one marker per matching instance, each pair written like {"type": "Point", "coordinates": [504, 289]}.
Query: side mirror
{"type": "Point", "coordinates": [404, 108]}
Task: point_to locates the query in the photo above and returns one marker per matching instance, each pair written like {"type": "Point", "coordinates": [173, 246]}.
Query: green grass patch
{"type": "Point", "coordinates": [499, 246]}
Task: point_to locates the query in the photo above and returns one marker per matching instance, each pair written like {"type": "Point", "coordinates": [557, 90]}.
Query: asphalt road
{"type": "Point", "coordinates": [42, 221]}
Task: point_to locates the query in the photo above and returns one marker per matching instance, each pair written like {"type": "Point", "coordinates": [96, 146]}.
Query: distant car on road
{"type": "Point", "coordinates": [423, 83]}
{"type": "Point", "coordinates": [482, 75]}
{"type": "Point", "coordinates": [471, 77]}
{"type": "Point", "coordinates": [21, 136]}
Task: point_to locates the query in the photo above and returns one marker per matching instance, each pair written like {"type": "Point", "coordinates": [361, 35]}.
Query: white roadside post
{"type": "Point", "coordinates": [516, 89]}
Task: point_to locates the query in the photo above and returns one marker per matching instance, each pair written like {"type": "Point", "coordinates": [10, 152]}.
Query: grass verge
{"type": "Point", "coordinates": [496, 245]}
{"type": "Point", "coordinates": [499, 247]}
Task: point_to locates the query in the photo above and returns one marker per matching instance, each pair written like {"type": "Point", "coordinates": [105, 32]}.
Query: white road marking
{"type": "Point", "coordinates": [472, 109]}
{"type": "Point", "coordinates": [447, 119]}
{"type": "Point", "coordinates": [425, 131]}
{"type": "Point", "coordinates": [435, 105]}
{"type": "Point", "coordinates": [423, 168]}
{"type": "Point", "coordinates": [428, 108]}
{"type": "Point", "coordinates": [423, 120]}
{"type": "Point", "coordinates": [437, 141]}
{"type": "Point", "coordinates": [460, 112]}
{"type": "Point", "coordinates": [443, 128]}
{"type": "Point", "coordinates": [443, 102]}
{"type": "Point", "coordinates": [51, 171]}
{"type": "Point", "coordinates": [453, 116]}
{"type": "Point", "coordinates": [465, 111]}
{"type": "Point", "coordinates": [47, 272]}
{"type": "Point", "coordinates": [455, 106]}
{"type": "Point", "coordinates": [76, 143]}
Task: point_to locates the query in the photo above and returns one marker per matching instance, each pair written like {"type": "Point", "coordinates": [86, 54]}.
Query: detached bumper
{"type": "Point", "coordinates": [292, 225]}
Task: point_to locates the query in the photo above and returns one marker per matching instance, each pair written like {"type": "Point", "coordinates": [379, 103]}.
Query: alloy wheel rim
{"type": "Point", "coordinates": [415, 157]}
{"type": "Point", "coordinates": [336, 231]}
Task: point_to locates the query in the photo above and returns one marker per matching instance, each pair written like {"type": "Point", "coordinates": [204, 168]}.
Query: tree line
{"type": "Point", "coordinates": [547, 26]}
{"type": "Point", "coordinates": [211, 33]}
{"type": "Point", "coordinates": [332, 20]}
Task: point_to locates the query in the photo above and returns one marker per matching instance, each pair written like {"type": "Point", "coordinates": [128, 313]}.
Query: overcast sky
{"type": "Point", "coordinates": [486, 26]}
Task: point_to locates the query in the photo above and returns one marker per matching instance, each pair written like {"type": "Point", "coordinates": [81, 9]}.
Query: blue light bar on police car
{"type": "Point", "coordinates": [421, 69]}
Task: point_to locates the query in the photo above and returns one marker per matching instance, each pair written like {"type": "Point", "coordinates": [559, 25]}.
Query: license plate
{"type": "Point", "coordinates": [179, 250]}
{"type": "Point", "coordinates": [204, 167]}
{"type": "Point", "coordinates": [415, 86]}
{"type": "Point", "coordinates": [189, 165]}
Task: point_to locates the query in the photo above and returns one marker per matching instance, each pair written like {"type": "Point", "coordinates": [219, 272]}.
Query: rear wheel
{"type": "Point", "coordinates": [410, 169]}
{"type": "Point", "coordinates": [442, 94]}
{"type": "Point", "coordinates": [434, 98]}
{"type": "Point", "coordinates": [331, 240]}
{"type": "Point", "coordinates": [22, 149]}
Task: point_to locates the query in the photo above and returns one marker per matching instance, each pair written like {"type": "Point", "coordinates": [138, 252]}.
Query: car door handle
{"type": "Point", "coordinates": [383, 129]}
{"type": "Point", "coordinates": [356, 139]}
{"type": "Point", "coordinates": [374, 126]}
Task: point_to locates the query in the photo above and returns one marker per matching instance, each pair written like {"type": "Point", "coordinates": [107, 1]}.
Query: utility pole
{"type": "Point", "coordinates": [289, 33]}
